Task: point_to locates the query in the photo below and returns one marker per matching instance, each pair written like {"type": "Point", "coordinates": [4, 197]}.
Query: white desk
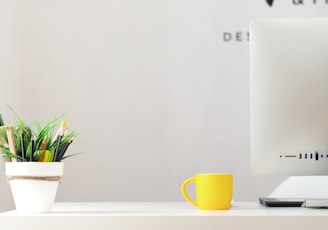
{"type": "Point", "coordinates": [166, 216]}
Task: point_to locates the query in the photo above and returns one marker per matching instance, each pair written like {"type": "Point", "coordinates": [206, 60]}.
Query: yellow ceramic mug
{"type": "Point", "coordinates": [213, 191]}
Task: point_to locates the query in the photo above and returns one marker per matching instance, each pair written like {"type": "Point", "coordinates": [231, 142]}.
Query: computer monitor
{"type": "Point", "coordinates": [289, 96]}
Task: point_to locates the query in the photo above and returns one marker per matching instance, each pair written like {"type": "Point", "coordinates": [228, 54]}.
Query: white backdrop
{"type": "Point", "coordinates": [158, 89]}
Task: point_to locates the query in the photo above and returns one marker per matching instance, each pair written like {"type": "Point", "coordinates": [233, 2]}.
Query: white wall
{"type": "Point", "coordinates": [155, 92]}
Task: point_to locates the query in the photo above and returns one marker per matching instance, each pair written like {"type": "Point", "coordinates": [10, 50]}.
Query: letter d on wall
{"type": "Point", "coordinates": [227, 37]}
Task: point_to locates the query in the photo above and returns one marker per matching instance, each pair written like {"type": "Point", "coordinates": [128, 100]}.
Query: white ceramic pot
{"type": "Point", "coordinates": [34, 184]}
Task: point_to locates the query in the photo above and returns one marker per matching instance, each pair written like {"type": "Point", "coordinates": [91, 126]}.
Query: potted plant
{"type": "Point", "coordinates": [33, 161]}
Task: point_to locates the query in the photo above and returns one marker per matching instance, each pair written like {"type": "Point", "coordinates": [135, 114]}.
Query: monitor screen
{"type": "Point", "coordinates": [289, 96]}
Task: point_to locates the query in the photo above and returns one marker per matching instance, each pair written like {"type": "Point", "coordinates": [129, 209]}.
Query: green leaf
{"type": "Point", "coordinates": [70, 156]}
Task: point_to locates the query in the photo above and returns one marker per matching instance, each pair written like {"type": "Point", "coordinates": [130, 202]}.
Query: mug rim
{"type": "Point", "coordinates": [213, 174]}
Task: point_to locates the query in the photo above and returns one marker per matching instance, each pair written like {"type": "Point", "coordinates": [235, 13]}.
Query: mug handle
{"type": "Point", "coordinates": [184, 191]}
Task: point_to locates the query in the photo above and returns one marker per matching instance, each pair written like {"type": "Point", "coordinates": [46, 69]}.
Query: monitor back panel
{"type": "Point", "coordinates": [289, 96]}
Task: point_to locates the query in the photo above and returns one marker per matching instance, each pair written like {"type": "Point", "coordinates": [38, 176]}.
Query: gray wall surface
{"type": "Point", "coordinates": [158, 90]}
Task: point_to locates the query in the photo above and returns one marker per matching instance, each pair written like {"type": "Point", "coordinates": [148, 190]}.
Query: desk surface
{"type": "Point", "coordinates": [116, 215]}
